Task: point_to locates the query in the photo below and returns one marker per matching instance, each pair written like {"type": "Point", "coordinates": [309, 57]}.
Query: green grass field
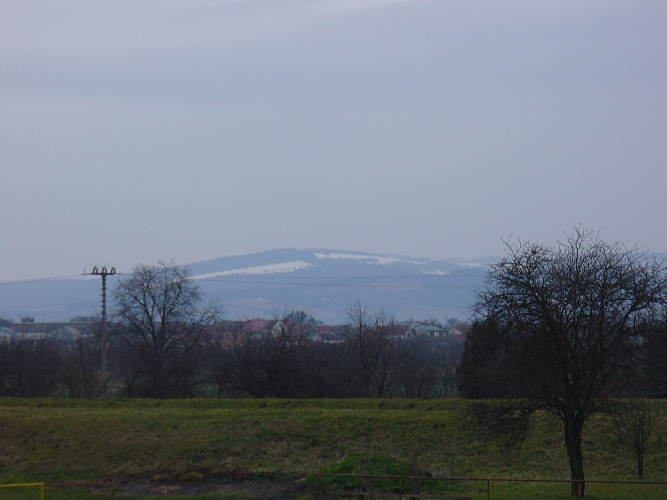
{"type": "Point", "coordinates": [62, 440]}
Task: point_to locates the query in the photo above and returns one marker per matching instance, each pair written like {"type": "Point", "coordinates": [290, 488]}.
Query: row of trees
{"type": "Point", "coordinates": [164, 341]}
{"type": "Point", "coordinates": [371, 362]}
{"type": "Point", "coordinates": [168, 345]}
{"type": "Point", "coordinates": [281, 365]}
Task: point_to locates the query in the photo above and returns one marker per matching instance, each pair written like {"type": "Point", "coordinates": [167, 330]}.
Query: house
{"type": "Point", "coordinates": [65, 333]}
{"type": "Point", "coordinates": [324, 333]}
{"type": "Point", "coordinates": [458, 332]}
{"type": "Point", "coordinates": [425, 329]}
{"type": "Point", "coordinates": [6, 334]}
{"type": "Point", "coordinates": [258, 328]}
{"type": "Point", "coordinates": [30, 335]}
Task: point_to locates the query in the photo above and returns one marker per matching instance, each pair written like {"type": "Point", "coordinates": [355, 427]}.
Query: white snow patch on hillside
{"type": "Point", "coordinates": [472, 264]}
{"type": "Point", "coordinates": [367, 259]}
{"type": "Point", "coordinates": [78, 277]}
{"type": "Point", "coordinates": [285, 267]}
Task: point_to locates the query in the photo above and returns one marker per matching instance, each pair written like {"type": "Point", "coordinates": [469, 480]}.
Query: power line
{"type": "Point", "coordinates": [234, 273]}
{"type": "Point", "coordinates": [285, 276]}
{"type": "Point", "coordinates": [342, 285]}
{"type": "Point", "coordinates": [37, 280]}
{"type": "Point", "coordinates": [307, 281]}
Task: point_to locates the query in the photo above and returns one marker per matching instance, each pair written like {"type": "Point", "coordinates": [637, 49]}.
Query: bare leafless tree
{"type": "Point", "coordinates": [267, 363]}
{"type": "Point", "coordinates": [654, 366]}
{"type": "Point", "coordinates": [570, 319]}
{"type": "Point", "coordinates": [635, 422]}
{"type": "Point", "coordinates": [29, 367]}
{"type": "Point", "coordinates": [84, 373]}
{"type": "Point", "coordinates": [424, 371]}
{"type": "Point", "coordinates": [374, 350]}
{"type": "Point", "coordinates": [219, 358]}
{"type": "Point", "coordinates": [159, 316]}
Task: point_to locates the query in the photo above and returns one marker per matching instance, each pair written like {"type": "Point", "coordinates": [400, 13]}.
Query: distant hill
{"type": "Point", "coordinates": [322, 281]}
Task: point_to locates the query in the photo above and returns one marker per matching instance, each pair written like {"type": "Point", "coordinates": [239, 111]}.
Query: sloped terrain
{"type": "Point", "coordinates": [136, 447]}
{"type": "Point", "coordinates": [324, 282]}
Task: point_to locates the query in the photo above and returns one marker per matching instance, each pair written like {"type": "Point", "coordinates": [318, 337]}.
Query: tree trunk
{"type": "Point", "coordinates": [640, 465]}
{"type": "Point", "coordinates": [573, 430]}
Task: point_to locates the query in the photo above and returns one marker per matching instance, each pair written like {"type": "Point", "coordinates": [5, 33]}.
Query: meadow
{"type": "Point", "coordinates": [68, 443]}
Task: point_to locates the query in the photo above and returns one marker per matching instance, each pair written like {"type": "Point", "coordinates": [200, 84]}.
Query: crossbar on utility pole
{"type": "Point", "coordinates": [104, 272]}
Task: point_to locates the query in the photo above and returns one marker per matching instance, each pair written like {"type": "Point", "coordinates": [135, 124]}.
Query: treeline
{"type": "Point", "coordinates": [370, 358]}
{"type": "Point", "coordinates": [495, 366]}
{"type": "Point", "coordinates": [373, 361]}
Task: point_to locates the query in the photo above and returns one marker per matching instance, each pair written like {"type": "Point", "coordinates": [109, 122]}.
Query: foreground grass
{"type": "Point", "coordinates": [54, 440]}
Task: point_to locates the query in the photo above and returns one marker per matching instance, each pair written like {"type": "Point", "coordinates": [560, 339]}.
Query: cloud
{"type": "Point", "coordinates": [29, 27]}
{"type": "Point", "coordinates": [139, 131]}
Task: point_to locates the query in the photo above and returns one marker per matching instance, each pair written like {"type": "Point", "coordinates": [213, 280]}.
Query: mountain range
{"type": "Point", "coordinates": [322, 281]}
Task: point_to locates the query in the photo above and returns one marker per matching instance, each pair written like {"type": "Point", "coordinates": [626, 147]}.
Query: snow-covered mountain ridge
{"type": "Point", "coordinates": [322, 281]}
{"type": "Point", "coordinates": [290, 259]}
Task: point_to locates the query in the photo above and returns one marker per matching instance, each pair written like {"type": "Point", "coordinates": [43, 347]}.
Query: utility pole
{"type": "Point", "coordinates": [104, 272]}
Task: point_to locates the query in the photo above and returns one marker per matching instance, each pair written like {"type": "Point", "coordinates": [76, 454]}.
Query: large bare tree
{"type": "Point", "coordinates": [160, 318]}
{"type": "Point", "coordinates": [374, 351]}
{"type": "Point", "coordinates": [569, 319]}
{"type": "Point", "coordinates": [85, 372]}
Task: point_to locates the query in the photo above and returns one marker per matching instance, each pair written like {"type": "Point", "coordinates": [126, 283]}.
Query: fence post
{"type": "Point", "coordinates": [416, 488]}
{"type": "Point", "coordinates": [317, 494]}
{"type": "Point", "coordinates": [363, 488]}
{"type": "Point", "coordinates": [488, 489]}
{"type": "Point", "coordinates": [41, 491]}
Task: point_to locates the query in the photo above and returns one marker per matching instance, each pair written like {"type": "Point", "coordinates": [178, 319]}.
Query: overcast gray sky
{"type": "Point", "coordinates": [189, 130]}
